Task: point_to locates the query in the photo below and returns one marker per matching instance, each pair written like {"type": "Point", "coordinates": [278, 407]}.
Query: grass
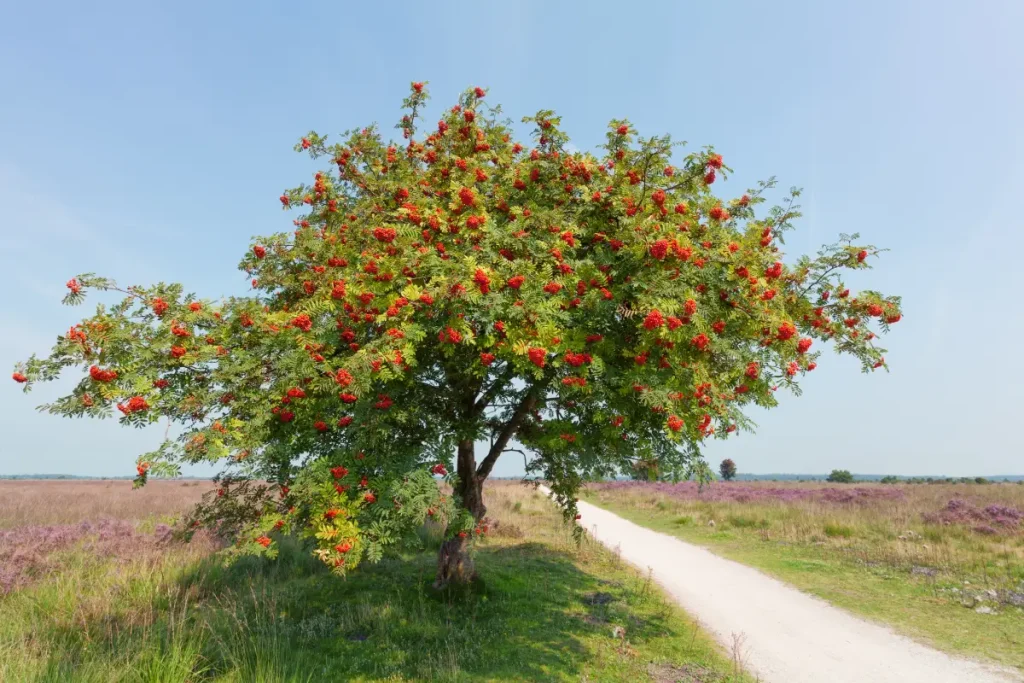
{"type": "Point", "coordinates": [58, 501]}
{"type": "Point", "coordinates": [877, 557]}
{"type": "Point", "coordinates": [545, 609]}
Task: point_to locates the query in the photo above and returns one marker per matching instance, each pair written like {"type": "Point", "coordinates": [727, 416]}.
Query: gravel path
{"type": "Point", "coordinates": [786, 636]}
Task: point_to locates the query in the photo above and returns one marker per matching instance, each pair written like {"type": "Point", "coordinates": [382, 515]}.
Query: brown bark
{"type": "Point", "coordinates": [454, 565]}
{"type": "Point", "coordinates": [470, 487]}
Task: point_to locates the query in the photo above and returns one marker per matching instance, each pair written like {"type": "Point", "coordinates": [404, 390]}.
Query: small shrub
{"type": "Point", "coordinates": [838, 531]}
{"type": "Point", "coordinates": [518, 506]}
{"type": "Point", "coordinates": [685, 520]}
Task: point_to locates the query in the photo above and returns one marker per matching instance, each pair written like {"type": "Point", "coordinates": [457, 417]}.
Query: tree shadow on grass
{"type": "Point", "coordinates": [533, 615]}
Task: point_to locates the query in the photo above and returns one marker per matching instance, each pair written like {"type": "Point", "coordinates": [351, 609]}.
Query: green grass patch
{"type": "Point", "coordinates": [744, 522]}
{"type": "Point", "coordinates": [838, 531]}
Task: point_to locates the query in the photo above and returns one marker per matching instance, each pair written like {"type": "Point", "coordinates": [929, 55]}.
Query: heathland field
{"type": "Point", "coordinates": [94, 588]}
{"type": "Point", "coordinates": [941, 563]}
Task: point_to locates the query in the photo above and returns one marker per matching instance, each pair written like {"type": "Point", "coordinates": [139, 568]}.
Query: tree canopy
{"type": "Point", "coordinates": [597, 309]}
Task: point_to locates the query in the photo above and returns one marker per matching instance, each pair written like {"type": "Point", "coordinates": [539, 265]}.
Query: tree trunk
{"type": "Point", "coordinates": [454, 565]}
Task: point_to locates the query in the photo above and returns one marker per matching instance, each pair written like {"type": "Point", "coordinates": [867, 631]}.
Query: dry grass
{"type": "Point", "coordinates": [879, 527]}
{"type": "Point", "coordinates": [26, 502]}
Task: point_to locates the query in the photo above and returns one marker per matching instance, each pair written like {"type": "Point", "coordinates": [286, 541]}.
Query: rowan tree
{"type": "Point", "coordinates": [727, 469]}
{"type": "Point", "coordinates": [458, 287]}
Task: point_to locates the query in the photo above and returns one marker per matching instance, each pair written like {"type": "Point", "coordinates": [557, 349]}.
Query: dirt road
{"type": "Point", "coordinates": [786, 636]}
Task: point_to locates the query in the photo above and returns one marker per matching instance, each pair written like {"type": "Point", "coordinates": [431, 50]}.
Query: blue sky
{"type": "Point", "coordinates": [149, 144]}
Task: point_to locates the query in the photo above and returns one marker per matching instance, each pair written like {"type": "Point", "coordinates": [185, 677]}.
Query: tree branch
{"type": "Point", "coordinates": [507, 432]}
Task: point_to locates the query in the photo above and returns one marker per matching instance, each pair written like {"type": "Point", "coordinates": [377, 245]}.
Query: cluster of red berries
{"type": "Point", "coordinates": [578, 359]}
{"type": "Point", "coordinates": [136, 404]}
{"type": "Point", "coordinates": [714, 162]}
{"type": "Point", "coordinates": [482, 280]}
{"type": "Point", "coordinates": [449, 336]}
{"type": "Point", "coordinates": [654, 320]}
{"type": "Point", "coordinates": [100, 375]}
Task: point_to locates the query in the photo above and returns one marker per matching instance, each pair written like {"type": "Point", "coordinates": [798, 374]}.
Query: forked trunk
{"type": "Point", "coordinates": [454, 565]}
